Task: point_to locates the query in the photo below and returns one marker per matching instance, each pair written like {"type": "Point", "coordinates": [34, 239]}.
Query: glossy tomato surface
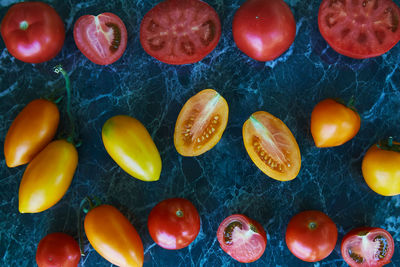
{"type": "Point", "coordinates": [311, 235]}
{"type": "Point", "coordinates": [47, 177]}
{"type": "Point", "coordinates": [201, 123]}
{"type": "Point", "coordinates": [33, 32]}
{"type": "Point", "coordinates": [102, 38]}
{"type": "Point", "coordinates": [180, 31]}
{"type": "Point", "coordinates": [174, 223]}
{"type": "Point", "coordinates": [367, 247]}
{"type": "Point", "coordinates": [242, 238]}
{"type": "Point", "coordinates": [58, 250]}
{"type": "Point", "coordinates": [359, 29]}
{"type": "Point", "coordinates": [333, 124]}
{"type": "Point", "coordinates": [130, 145]}
{"type": "Point", "coordinates": [263, 30]}
{"type": "Point", "coordinates": [113, 236]}
{"type": "Point", "coordinates": [33, 128]}
{"type": "Point", "coordinates": [271, 146]}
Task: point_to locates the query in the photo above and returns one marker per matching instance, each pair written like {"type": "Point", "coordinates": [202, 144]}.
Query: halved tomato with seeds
{"type": "Point", "coordinates": [272, 146]}
{"type": "Point", "coordinates": [201, 123]}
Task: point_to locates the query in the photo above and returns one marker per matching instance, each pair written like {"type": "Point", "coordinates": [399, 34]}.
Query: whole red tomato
{"type": "Point", "coordinates": [33, 32]}
{"type": "Point", "coordinates": [264, 29]}
{"type": "Point", "coordinates": [311, 235]}
{"type": "Point", "coordinates": [174, 223]}
{"type": "Point", "coordinates": [58, 249]}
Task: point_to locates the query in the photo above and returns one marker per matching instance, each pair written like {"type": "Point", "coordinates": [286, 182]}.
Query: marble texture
{"type": "Point", "coordinates": [222, 181]}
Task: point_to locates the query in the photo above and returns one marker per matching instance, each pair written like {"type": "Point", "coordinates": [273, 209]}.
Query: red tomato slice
{"type": "Point", "coordinates": [180, 31]}
{"type": "Point", "coordinates": [360, 28]}
{"type": "Point", "coordinates": [242, 238]}
{"type": "Point", "coordinates": [102, 38]}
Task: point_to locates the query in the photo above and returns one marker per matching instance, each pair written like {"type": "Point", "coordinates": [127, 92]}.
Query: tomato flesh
{"type": "Point", "coordinates": [180, 31]}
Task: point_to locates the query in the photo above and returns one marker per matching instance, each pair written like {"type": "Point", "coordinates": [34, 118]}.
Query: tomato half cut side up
{"type": "Point", "coordinates": [272, 146]}
{"type": "Point", "coordinates": [201, 123]}
{"type": "Point", "coordinates": [102, 39]}
{"type": "Point", "coordinates": [367, 246]}
{"type": "Point", "coordinates": [360, 29]}
{"type": "Point", "coordinates": [180, 31]}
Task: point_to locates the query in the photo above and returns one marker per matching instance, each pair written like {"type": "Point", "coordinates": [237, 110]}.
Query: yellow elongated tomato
{"type": "Point", "coordinates": [33, 128]}
{"type": "Point", "coordinates": [130, 145]}
{"type": "Point", "coordinates": [113, 236]}
{"type": "Point", "coordinates": [47, 177]}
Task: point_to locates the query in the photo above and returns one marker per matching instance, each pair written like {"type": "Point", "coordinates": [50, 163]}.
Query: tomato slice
{"type": "Point", "coordinates": [201, 123]}
{"type": "Point", "coordinates": [242, 238]}
{"type": "Point", "coordinates": [180, 31]}
{"type": "Point", "coordinates": [272, 146]}
{"type": "Point", "coordinates": [102, 39]}
{"type": "Point", "coordinates": [359, 28]}
{"type": "Point", "coordinates": [367, 246]}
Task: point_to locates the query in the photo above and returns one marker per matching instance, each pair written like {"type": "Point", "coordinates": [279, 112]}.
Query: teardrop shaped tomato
{"type": "Point", "coordinates": [33, 128]}
{"type": "Point", "coordinates": [47, 178]}
{"type": "Point", "coordinates": [201, 123]}
{"type": "Point", "coordinates": [113, 236]}
{"type": "Point", "coordinates": [130, 145]}
{"type": "Point", "coordinates": [272, 146]}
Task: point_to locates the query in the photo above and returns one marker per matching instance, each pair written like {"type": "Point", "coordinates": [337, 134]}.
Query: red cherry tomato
{"type": "Point", "coordinates": [359, 29]}
{"type": "Point", "coordinates": [58, 249]}
{"type": "Point", "coordinates": [102, 38]}
{"type": "Point", "coordinates": [242, 238]}
{"type": "Point", "coordinates": [311, 235]}
{"type": "Point", "coordinates": [33, 32]}
{"type": "Point", "coordinates": [264, 29]}
{"type": "Point", "coordinates": [174, 223]}
{"type": "Point", "coordinates": [180, 31]}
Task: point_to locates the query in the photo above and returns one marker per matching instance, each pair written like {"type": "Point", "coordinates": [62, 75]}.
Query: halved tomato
{"type": "Point", "coordinates": [201, 123]}
{"type": "Point", "coordinates": [272, 146]}
{"type": "Point", "coordinates": [180, 31]}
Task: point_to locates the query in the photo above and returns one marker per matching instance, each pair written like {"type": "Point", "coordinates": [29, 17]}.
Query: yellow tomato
{"type": "Point", "coordinates": [130, 145]}
{"type": "Point", "coordinates": [47, 177]}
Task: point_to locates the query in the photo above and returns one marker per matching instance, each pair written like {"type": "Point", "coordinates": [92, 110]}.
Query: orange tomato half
{"type": "Point", "coordinates": [113, 236]}
{"type": "Point", "coordinates": [272, 146]}
{"type": "Point", "coordinates": [33, 128]}
{"type": "Point", "coordinates": [201, 123]}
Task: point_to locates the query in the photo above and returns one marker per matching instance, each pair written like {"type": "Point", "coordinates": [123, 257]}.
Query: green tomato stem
{"type": "Point", "coordinates": [388, 145]}
{"type": "Point", "coordinates": [83, 207]}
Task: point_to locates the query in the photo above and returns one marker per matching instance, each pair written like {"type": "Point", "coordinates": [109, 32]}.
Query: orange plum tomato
{"type": "Point", "coordinates": [271, 146]}
{"type": "Point", "coordinates": [201, 123]}
{"type": "Point", "coordinates": [47, 177]}
{"type": "Point", "coordinates": [333, 124]}
{"type": "Point", "coordinates": [33, 128]}
{"type": "Point", "coordinates": [113, 236]}
{"type": "Point", "coordinates": [130, 145]}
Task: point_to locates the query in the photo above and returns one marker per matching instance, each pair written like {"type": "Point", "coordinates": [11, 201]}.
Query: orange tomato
{"type": "Point", "coordinates": [113, 236]}
{"type": "Point", "coordinates": [47, 177]}
{"type": "Point", "coordinates": [271, 146]}
{"type": "Point", "coordinates": [33, 128]}
{"type": "Point", "coordinates": [201, 123]}
{"type": "Point", "coordinates": [333, 124]}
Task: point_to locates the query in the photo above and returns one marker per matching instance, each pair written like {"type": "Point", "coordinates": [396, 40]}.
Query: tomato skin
{"type": "Point", "coordinates": [381, 170]}
{"type": "Point", "coordinates": [308, 243]}
{"type": "Point", "coordinates": [58, 250]}
{"type": "Point", "coordinates": [174, 223]}
{"type": "Point", "coordinates": [47, 177]}
{"type": "Point", "coordinates": [263, 30]}
{"type": "Point", "coordinates": [333, 124]}
{"type": "Point", "coordinates": [43, 38]}
{"type": "Point", "coordinates": [33, 128]}
{"type": "Point", "coordinates": [113, 236]}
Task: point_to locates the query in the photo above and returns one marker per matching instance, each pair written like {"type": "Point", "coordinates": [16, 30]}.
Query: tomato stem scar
{"type": "Point", "coordinates": [23, 25]}
{"type": "Point", "coordinates": [179, 213]}
{"type": "Point", "coordinates": [312, 225]}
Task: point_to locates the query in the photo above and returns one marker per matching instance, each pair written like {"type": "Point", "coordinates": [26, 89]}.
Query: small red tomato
{"type": "Point", "coordinates": [311, 235]}
{"type": "Point", "coordinates": [58, 250]}
{"type": "Point", "coordinates": [174, 223]}
{"type": "Point", "coordinates": [242, 238]}
{"type": "Point", "coordinates": [102, 38]}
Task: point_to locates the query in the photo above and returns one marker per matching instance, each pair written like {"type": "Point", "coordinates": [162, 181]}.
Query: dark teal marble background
{"type": "Point", "coordinates": [224, 180]}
